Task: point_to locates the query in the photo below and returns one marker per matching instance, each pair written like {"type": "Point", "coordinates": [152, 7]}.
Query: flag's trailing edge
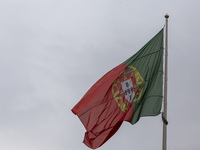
{"type": "Point", "coordinates": [129, 91]}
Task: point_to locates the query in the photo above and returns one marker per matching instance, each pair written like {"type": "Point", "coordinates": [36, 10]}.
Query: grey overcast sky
{"type": "Point", "coordinates": [53, 51]}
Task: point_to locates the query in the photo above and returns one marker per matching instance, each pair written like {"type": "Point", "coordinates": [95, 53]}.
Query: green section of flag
{"type": "Point", "coordinates": [149, 63]}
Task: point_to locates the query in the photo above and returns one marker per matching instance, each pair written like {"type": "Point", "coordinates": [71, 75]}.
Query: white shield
{"type": "Point", "coordinates": [127, 87]}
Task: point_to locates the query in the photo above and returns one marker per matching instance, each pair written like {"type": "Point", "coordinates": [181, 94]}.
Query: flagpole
{"type": "Point", "coordinates": [164, 114]}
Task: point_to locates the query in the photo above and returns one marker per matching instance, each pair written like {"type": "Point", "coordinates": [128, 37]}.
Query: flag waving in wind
{"type": "Point", "coordinates": [129, 91]}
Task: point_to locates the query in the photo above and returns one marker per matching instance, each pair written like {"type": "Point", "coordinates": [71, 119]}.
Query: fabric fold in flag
{"type": "Point", "coordinates": [129, 91]}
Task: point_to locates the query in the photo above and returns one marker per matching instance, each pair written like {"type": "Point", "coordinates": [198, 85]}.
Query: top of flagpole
{"type": "Point", "coordinates": [166, 16]}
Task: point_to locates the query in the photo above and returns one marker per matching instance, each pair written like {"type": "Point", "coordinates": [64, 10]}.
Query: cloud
{"type": "Point", "coordinates": [52, 52]}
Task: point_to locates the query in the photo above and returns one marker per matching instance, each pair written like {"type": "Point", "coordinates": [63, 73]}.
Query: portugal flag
{"type": "Point", "coordinates": [129, 91]}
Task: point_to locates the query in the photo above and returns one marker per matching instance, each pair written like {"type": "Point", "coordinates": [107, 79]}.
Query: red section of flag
{"type": "Point", "coordinates": [99, 112]}
{"type": "Point", "coordinates": [96, 93]}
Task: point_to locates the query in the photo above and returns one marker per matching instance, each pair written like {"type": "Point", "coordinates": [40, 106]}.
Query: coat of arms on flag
{"type": "Point", "coordinates": [126, 88]}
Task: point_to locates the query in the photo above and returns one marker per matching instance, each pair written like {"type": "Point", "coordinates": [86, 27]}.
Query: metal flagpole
{"type": "Point", "coordinates": [164, 114]}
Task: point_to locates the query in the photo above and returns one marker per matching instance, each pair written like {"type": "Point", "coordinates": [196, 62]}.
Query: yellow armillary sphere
{"type": "Point", "coordinates": [128, 88]}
